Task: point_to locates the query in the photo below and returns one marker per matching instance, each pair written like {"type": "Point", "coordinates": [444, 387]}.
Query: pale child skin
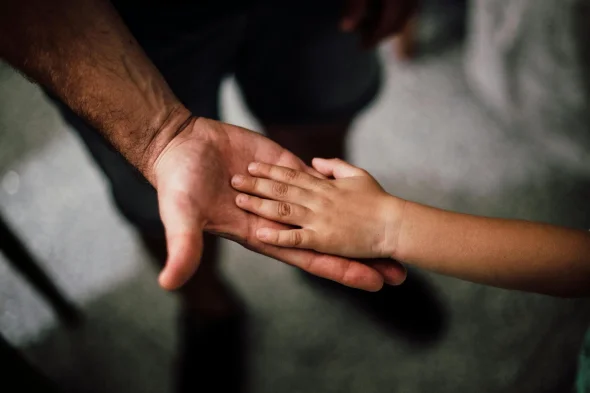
{"type": "Point", "coordinates": [349, 214]}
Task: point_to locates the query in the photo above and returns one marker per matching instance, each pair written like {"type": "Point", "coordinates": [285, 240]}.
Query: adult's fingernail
{"type": "Point", "coordinates": [399, 280]}
{"type": "Point", "coordinates": [237, 180]}
{"type": "Point", "coordinates": [263, 233]}
{"type": "Point", "coordinates": [253, 166]}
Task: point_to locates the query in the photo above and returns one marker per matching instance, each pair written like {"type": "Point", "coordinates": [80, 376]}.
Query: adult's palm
{"type": "Point", "coordinates": [192, 177]}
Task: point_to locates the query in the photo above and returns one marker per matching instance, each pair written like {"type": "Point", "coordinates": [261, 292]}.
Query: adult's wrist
{"type": "Point", "coordinates": [165, 129]}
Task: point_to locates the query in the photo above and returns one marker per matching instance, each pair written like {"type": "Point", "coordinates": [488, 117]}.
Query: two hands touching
{"type": "Point", "coordinates": [190, 161]}
{"type": "Point", "coordinates": [347, 214]}
{"type": "Point", "coordinates": [206, 154]}
{"type": "Point", "coordinates": [192, 174]}
{"type": "Point", "coordinates": [295, 215]}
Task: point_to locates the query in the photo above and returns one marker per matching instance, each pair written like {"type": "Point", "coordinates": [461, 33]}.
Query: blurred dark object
{"type": "Point", "coordinates": [18, 375]}
{"type": "Point", "coordinates": [20, 258]}
{"type": "Point", "coordinates": [213, 355]}
{"type": "Point", "coordinates": [385, 18]}
{"type": "Point", "coordinates": [411, 310]}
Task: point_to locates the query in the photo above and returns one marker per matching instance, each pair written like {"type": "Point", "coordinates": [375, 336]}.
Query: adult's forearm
{"type": "Point", "coordinates": [82, 51]}
{"type": "Point", "coordinates": [506, 253]}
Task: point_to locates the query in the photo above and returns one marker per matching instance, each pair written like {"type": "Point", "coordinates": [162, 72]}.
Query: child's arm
{"type": "Point", "coordinates": [353, 216]}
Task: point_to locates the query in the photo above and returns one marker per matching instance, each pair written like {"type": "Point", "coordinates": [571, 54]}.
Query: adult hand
{"type": "Point", "coordinates": [192, 176]}
{"type": "Point", "coordinates": [376, 20]}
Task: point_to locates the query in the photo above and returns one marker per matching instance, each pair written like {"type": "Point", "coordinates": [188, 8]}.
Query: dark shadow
{"type": "Point", "coordinates": [412, 310]}
{"type": "Point", "coordinates": [18, 375]}
{"type": "Point", "coordinates": [213, 357]}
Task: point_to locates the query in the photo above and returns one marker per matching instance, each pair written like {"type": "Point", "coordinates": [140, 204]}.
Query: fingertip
{"type": "Point", "coordinates": [177, 272]}
{"type": "Point", "coordinates": [373, 283]}
{"type": "Point", "coordinates": [167, 281]}
{"type": "Point", "coordinates": [391, 272]}
{"type": "Point", "coordinates": [377, 287]}
{"type": "Point", "coordinates": [315, 162]}
{"type": "Point", "coordinates": [319, 164]}
{"type": "Point", "coordinates": [376, 283]}
{"type": "Point", "coordinates": [237, 180]}
{"type": "Point", "coordinates": [396, 282]}
{"type": "Point", "coordinates": [396, 277]}
{"type": "Point", "coordinates": [253, 166]}
{"type": "Point", "coordinates": [241, 199]}
{"type": "Point", "coordinates": [364, 277]}
{"type": "Point", "coordinates": [184, 254]}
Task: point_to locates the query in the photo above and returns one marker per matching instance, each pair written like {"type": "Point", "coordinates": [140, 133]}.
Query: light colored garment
{"type": "Point", "coordinates": [528, 61]}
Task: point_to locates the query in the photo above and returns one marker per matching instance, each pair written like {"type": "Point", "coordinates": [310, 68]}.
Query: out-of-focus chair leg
{"type": "Point", "coordinates": [22, 260]}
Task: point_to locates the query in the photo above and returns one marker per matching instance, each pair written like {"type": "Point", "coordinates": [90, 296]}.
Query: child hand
{"type": "Point", "coordinates": [350, 215]}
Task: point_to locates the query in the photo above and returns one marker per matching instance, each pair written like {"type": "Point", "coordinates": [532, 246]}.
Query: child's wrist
{"type": "Point", "coordinates": [394, 216]}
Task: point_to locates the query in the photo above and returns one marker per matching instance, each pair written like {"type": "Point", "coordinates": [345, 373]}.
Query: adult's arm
{"type": "Point", "coordinates": [83, 53]}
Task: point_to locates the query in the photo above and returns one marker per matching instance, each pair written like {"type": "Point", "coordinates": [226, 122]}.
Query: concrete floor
{"type": "Point", "coordinates": [426, 139]}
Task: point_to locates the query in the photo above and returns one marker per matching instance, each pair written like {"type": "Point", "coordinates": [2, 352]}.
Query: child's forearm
{"type": "Point", "coordinates": [505, 253]}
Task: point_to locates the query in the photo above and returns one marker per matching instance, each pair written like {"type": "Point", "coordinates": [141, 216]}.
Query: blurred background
{"type": "Point", "coordinates": [490, 117]}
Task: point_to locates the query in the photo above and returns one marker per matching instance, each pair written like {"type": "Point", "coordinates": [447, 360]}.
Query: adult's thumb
{"type": "Point", "coordinates": [184, 238]}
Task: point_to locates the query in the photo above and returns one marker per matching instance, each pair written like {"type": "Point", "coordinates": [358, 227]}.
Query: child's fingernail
{"type": "Point", "coordinates": [237, 180]}
{"type": "Point", "coordinates": [241, 199]}
{"type": "Point", "coordinates": [262, 233]}
{"type": "Point", "coordinates": [253, 166]}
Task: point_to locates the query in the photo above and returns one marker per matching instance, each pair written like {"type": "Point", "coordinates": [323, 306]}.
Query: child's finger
{"type": "Point", "coordinates": [297, 238]}
{"type": "Point", "coordinates": [336, 168]}
{"type": "Point", "coordinates": [269, 189]}
{"type": "Point", "coordinates": [287, 213]}
{"type": "Point", "coordinates": [282, 174]}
